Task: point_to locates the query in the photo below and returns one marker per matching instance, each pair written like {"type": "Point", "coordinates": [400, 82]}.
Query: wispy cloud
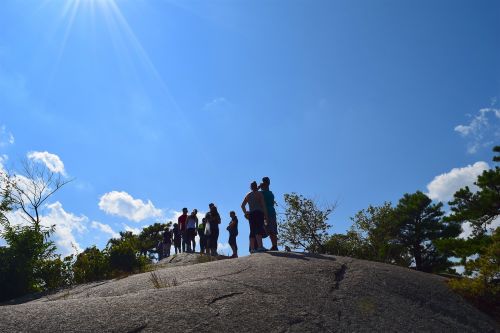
{"type": "Point", "coordinates": [135, 231]}
{"type": "Point", "coordinates": [443, 187]}
{"type": "Point", "coordinates": [6, 137]}
{"type": "Point", "coordinates": [482, 130]}
{"type": "Point", "coordinates": [124, 205]}
{"type": "Point", "coordinates": [219, 103]}
{"type": "Point", "coordinates": [51, 161]}
{"type": "Point", "coordinates": [105, 228]}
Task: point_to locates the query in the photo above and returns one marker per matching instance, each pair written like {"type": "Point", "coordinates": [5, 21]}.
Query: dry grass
{"type": "Point", "coordinates": [162, 282]}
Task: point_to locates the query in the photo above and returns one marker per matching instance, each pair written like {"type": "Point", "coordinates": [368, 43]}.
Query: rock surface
{"type": "Point", "coordinates": [271, 292]}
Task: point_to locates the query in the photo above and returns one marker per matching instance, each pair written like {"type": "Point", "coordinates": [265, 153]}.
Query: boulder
{"type": "Point", "coordinates": [265, 292]}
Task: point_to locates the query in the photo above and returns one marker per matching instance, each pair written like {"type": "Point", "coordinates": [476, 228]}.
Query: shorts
{"type": "Point", "coordinates": [271, 225]}
{"type": "Point", "coordinates": [256, 219]}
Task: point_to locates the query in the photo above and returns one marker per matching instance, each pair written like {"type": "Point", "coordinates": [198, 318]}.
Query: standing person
{"type": "Point", "coordinates": [159, 250]}
{"type": "Point", "coordinates": [256, 214]}
{"type": "Point", "coordinates": [167, 242]}
{"type": "Point", "coordinates": [182, 227]}
{"type": "Point", "coordinates": [191, 226]}
{"type": "Point", "coordinates": [213, 218]}
{"type": "Point", "coordinates": [271, 224]}
{"type": "Point", "coordinates": [233, 232]}
{"type": "Point", "coordinates": [177, 238]}
{"type": "Point", "coordinates": [201, 233]}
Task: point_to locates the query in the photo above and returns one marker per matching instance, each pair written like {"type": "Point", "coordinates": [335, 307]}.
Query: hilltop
{"type": "Point", "coordinates": [274, 291]}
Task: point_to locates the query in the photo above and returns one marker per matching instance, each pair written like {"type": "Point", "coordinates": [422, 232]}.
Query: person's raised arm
{"type": "Point", "coordinates": [244, 206]}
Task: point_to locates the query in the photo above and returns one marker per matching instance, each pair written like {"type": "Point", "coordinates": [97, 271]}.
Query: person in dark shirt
{"type": "Point", "coordinates": [167, 242]}
{"type": "Point", "coordinates": [177, 238]}
{"type": "Point", "coordinates": [201, 233]}
{"type": "Point", "coordinates": [213, 218]}
{"type": "Point", "coordinates": [233, 232]}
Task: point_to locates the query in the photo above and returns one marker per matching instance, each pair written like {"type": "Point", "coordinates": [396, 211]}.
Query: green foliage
{"type": "Point", "coordinates": [349, 245]}
{"type": "Point", "coordinates": [483, 288]}
{"type": "Point", "coordinates": [377, 228]}
{"type": "Point", "coordinates": [91, 265]}
{"type": "Point", "coordinates": [304, 225]}
{"type": "Point", "coordinates": [24, 267]}
{"type": "Point", "coordinates": [480, 253]}
{"type": "Point", "coordinates": [124, 254]}
{"type": "Point", "coordinates": [150, 236]}
{"type": "Point", "coordinates": [419, 225]}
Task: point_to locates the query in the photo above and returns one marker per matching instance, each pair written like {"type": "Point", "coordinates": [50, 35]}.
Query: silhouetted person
{"type": "Point", "coordinates": [201, 233]}
{"type": "Point", "coordinates": [191, 225]}
{"type": "Point", "coordinates": [213, 218]}
{"type": "Point", "coordinates": [271, 224]}
{"type": "Point", "coordinates": [233, 232]}
{"type": "Point", "coordinates": [177, 238]}
{"type": "Point", "coordinates": [256, 214]}
{"type": "Point", "coordinates": [182, 227]}
{"type": "Point", "coordinates": [167, 242]}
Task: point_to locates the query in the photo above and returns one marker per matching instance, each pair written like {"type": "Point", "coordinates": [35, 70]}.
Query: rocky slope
{"type": "Point", "coordinates": [272, 292]}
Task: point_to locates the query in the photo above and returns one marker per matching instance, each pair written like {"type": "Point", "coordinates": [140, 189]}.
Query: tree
{"type": "Point", "coordinates": [419, 225]}
{"type": "Point", "coordinates": [28, 262]}
{"type": "Point", "coordinates": [479, 253]}
{"type": "Point", "coordinates": [91, 265]}
{"type": "Point", "coordinates": [377, 228]}
{"type": "Point", "coordinates": [30, 189]}
{"type": "Point", "coordinates": [304, 225]}
{"type": "Point", "coordinates": [125, 254]}
{"type": "Point", "coordinates": [150, 236]}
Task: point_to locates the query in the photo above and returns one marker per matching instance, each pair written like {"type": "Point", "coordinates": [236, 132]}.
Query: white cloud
{"type": "Point", "coordinates": [482, 130]}
{"type": "Point", "coordinates": [106, 228]}
{"type": "Point", "coordinates": [6, 137]}
{"type": "Point", "coordinates": [51, 161]}
{"type": "Point", "coordinates": [123, 204]}
{"type": "Point", "coordinates": [443, 187]}
{"type": "Point", "coordinates": [66, 225]}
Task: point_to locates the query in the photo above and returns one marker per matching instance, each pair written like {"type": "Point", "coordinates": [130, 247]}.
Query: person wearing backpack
{"type": "Point", "coordinates": [233, 232]}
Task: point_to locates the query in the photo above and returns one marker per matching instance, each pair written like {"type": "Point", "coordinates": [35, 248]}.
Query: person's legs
{"type": "Point", "coordinates": [193, 239]}
{"type": "Point", "coordinates": [184, 241]}
{"type": "Point", "coordinates": [188, 240]}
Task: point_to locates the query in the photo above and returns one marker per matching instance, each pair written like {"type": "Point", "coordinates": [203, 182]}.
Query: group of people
{"type": "Point", "coordinates": [260, 214]}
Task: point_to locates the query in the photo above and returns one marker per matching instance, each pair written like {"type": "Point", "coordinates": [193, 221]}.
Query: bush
{"type": "Point", "coordinates": [125, 257]}
{"type": "Point", "coordinates": [91, 265]}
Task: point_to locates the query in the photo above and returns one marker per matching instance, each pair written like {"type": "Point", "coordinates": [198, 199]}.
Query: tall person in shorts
{"type": "Point", "coordinates": [256, 214]}
{"type": "Point", "coordinates": [271, 224]}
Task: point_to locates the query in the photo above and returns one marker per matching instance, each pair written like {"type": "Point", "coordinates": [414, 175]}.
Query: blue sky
{"type": "Point", "coordinates": [152, 106]}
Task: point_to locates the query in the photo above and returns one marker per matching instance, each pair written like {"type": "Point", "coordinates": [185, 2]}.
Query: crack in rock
{"type": "Point", "coordinates": [339, 275]}
{"type": "Point", "coordinates": [224, 296]}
